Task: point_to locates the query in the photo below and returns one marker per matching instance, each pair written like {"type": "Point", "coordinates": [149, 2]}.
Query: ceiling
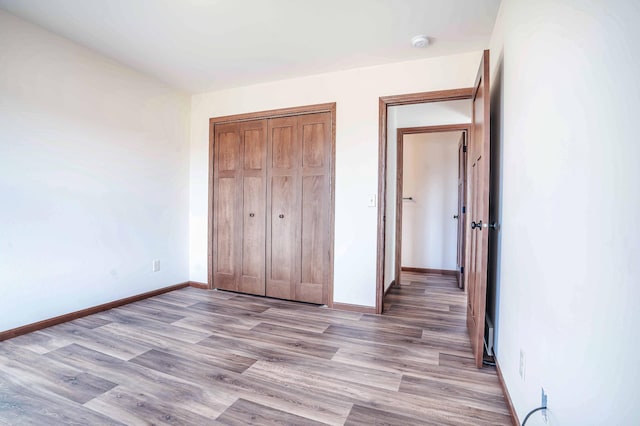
{"type": "Point", "coordinates": [202, 45]}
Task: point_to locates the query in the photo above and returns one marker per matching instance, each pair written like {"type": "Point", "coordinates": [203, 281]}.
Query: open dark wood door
{"type": "Point", "coordinates": [478, 203]}
{"type": "Point", "coordinates": [462, 202]}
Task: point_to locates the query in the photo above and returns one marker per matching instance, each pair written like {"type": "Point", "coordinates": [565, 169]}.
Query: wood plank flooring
{"type": "Point", "coordinates": [197, 357]}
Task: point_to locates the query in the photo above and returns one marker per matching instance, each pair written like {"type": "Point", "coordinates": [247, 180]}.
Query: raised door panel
{"type": "Point", "coordinates": [283, 228]}
{"type": "Point", "coordinates": [313, 240]}
{"type": "Point", "coordinates": [254, 140]}
{"type": "Point", "coordinates": [313, 145]}
{"type": "Point", "coordinates": [282, 211]}
{"type": "Point", "coordinates": [227, 185]}
{"type": "Point", "coordinates": [461, 236]}
{"type": "Point", "coordinates": [282, 142]}
{"type": "Point", "coordinates": [315, 135]}
{"type": "Point", "coordinates": [255, 145]}
{"type": "Point", "coordinates": [228, 150]}
{"type": "Point", "coordinates": [226, 226]}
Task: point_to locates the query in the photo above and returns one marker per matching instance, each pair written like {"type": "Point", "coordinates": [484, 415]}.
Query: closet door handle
{"type": "Point", "coordinates": [251, 215]}
{"type": "Point", "coordinates": [281, 216]}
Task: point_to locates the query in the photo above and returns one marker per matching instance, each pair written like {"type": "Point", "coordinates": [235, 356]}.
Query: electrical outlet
{"type": "Point", "coordinates": [522, 364]}
{"type": "Point", "coordinates": [372, 200]}
{"type": "Point", "coordinates": [543, 403]}
{"type": "Point", "coordinates": [155, 266]}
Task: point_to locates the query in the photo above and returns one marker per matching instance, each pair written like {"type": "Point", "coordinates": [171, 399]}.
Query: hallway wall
{"type": "Point", "coordinates": [430, 177]}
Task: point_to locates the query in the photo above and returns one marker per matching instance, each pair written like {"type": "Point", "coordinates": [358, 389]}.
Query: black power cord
{"type": "Point", "coordinates": [490, 361]}
{"type": "Point", "coordinates": [531, 412]}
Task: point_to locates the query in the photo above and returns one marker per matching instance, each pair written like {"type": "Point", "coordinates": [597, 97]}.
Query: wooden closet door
{"type": "Point", "coordinates": [227, 205]}
{"type": "Point", "coordinates": [315, 205]}
{"type": "Point", "coordinates": [283, 214]}
{"type": "Point", "coordinates": [239, 197]}
{"type": "Point", "coordinates": [253, 220]}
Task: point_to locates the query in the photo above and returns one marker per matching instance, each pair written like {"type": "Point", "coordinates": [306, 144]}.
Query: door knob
{"type": "Point", "coordinates": [490, 225]}
{"type": "Point", "coordinates": [476, 225]}
{"type": "Point", "coordinates": [281, 216]}
{"type": "Point", "coordinates": [251, 215]}
{"type": "Point", "coordinates": [455, 216]}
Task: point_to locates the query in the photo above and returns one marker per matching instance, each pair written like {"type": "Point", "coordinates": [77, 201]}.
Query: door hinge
{"type": "Point", "coordinates": [464, 209]}
{"type": "Point", "coordinates": [464, 148]}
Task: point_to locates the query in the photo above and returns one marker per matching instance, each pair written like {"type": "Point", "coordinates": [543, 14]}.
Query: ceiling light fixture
{"type": "Point", "coordinates": [420, 41]}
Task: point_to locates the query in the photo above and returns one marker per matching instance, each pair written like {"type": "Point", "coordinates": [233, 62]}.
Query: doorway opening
{"type": "Point", "coordinates": [429, 110]}
{"type": "Point", "coordinates": [430, 200]}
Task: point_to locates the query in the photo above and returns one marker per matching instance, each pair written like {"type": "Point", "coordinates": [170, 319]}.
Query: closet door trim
{"type": "Point", "coordinates": [275, 113]}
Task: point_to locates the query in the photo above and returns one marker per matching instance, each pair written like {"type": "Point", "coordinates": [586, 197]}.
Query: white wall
{"type": "Point", "coordinates": [356, 92]}
{"type": "Point", "coordinates": [569, 283]}
{"type": "Point", "coordinates": [430, 177]}
{"type": "Point", "coordinates": [425, 114]}
{"type": "Point", "coordinates": [93, 178]}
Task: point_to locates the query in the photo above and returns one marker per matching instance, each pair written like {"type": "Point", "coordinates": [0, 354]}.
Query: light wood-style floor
{"type": "Point", "coordinates": [201, 357]}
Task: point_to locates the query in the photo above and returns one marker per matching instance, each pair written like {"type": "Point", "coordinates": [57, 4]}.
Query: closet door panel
{"type": "Point", "coordinates": [313, 145]}
{"type": "Point", "coordinates": [282, 211]}
{"type": "Point", "coordinates": [226, 229]}
{"type": "Point", "coordinates": [282, 142]}
{"type": "Point", "coordinates": [282, 226]}
{"type": "Point", "coordinates": [255, 146]}
{"type": "Point", "coordinates": [228, 149]}
{"type": "Point", "coordinates": [312, 273]}
{"type": "Point", "coordinates": [254, 139]}
{"type": "Point", "coordinates": [315, 135]}
{"type": "Point", "coordinates": [227, 204]}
